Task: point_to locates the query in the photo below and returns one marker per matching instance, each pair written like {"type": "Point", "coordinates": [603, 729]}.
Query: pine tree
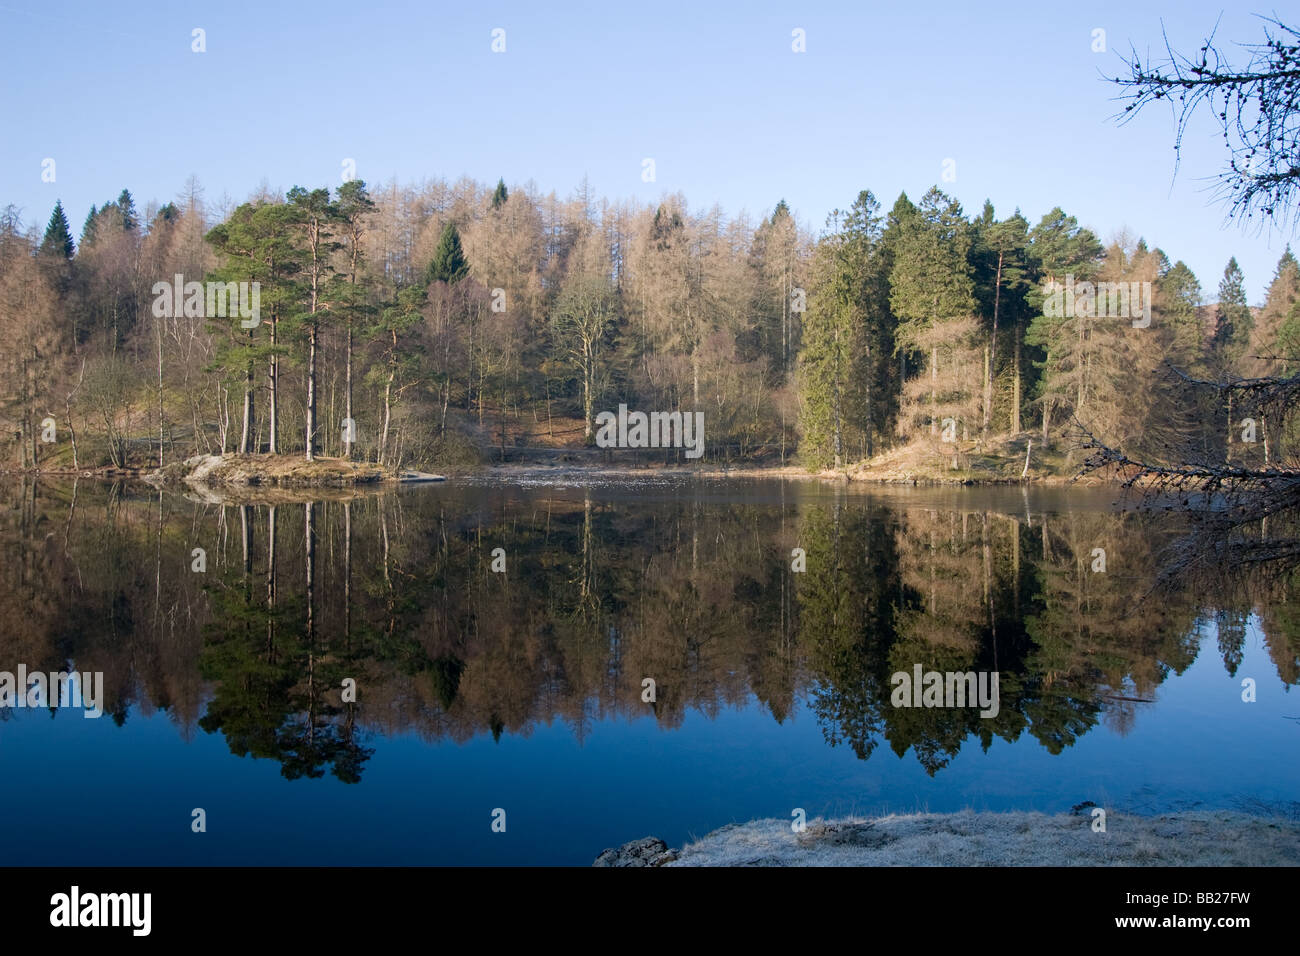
{"type": "Point", "coordinates": [256, 243]}
{"type": "Point", "coordinates": [1063, 251]}
{"type": "Point", "coordinates": [1233, 323]}
{"type": "Point", "coordinates": [88, 227]}
{"type": "Point", "coordinates": [499, 194]}
{"type": "Point", "coordinates": [932, 293]}
{"type": "Point", "coordinates": [1278, 329]}
{"type": "Point", "coordinates": [845, 364]}
{"type": "Point", "coordinates": [316, 218]}
{"type": "Point", "coordinates": [449, 264]}
{"type": "Point", "coordinates": [825, 361]}
{"type": "Point", "coordinates": [774, 256]}
{"type": "Point", "coordinates": [1000, 259]}
{"type": "Point", "coordinates": [872, 395]}
{"type": "Point", "coordinates": [58, 235]}
{"type": "Point", "coordinates": [354, 208]}
{"type": "Point", "coordinates": [126, 208]}
{"type": "Point", "coordinates": [1180, 296]}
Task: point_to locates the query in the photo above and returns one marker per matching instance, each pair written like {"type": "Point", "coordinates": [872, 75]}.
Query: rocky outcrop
{"type": "Point", "coordinates": [648, 851]}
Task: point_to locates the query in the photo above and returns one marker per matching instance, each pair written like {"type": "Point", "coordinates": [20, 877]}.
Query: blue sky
{"type": "Point", "coordinates": [712, 92]}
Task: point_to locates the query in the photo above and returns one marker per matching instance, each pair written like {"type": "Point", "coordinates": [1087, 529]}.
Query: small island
{"type": "Point", "coordinates": [234, 475]}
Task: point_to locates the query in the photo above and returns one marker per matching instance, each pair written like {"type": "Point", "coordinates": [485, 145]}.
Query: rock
{"type": "Point", "coordinates": [648, 851]}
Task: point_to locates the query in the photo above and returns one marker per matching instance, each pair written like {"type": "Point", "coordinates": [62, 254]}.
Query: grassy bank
{"type": "Point", "coordinates": [1192, 838]}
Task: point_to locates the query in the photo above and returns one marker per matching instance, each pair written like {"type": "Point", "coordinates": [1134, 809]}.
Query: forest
{"type": "Point", "coordinates": [458, 324]}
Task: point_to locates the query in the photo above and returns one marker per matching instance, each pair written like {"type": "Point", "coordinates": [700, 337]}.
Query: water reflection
{"type": "Point", "coordinates": [688, 584]}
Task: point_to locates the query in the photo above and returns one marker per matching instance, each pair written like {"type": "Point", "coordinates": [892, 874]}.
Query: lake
{"type": "Point", "coordinates": [226, 670]}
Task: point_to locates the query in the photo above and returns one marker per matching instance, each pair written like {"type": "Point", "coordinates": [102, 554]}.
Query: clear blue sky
{"type": "Point", "coordinates": [711, 91]}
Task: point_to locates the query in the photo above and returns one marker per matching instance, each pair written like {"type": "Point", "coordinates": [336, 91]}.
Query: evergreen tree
{"type": "Point", "coordinates": [258, 247]}
{"type": "Point", "coordinates": [1278, 328]}
{"type": "Point", "coordinates": [932, 292]}
{"type": "Point", "coordinates": [830, 326]}
{"type": "Point", "coordinates": [1233, 321]}
{"type": "Point", "coordinates": [499, 194]}
{"type": "Point", "coordinates": [1180, 296]}
{"type": "Point", "coordinates": [58, 236]}
{"type": "Point", "coordinates": [315, 218]}
{"type": "Point", "coordinates": [88, 227]}
{"type": "Point", "coordinates": [355, 207]}
{"type": "Point", "coordinates": [449, 264]}
{"type": "Point", "coordinates": [1063, 251]}
{"type": "Point", "coordinates": [774, 257]}
{"type": "Point", "coordinates": [873, 393]}
{"type": "Point", "coordinates": [1002, 271]}
{"type": "Point", "coordinates": [126, 208]}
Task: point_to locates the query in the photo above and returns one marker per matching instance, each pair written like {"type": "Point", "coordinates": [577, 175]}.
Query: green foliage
{"type": "Point", "coordinates": [1233, 320]}
{"type": "Point", "coordinates": [449, 264]}
{"type": "Point", "coordinates": [844, 361]}
{"type": "Point", "coordinates": [126, 209]}
{"type": "Point", "coordinates": [1180, 293]}
{"type": "Point", "coordinates": [931, 281]}
{"type": "Point", "coordinates": [1061, 248]}
{"type": "Point", "coordinates": [58, 235]}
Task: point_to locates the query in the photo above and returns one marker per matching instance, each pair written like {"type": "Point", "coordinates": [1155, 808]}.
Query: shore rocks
{"type": "Point", "coordinates": [648, 851]}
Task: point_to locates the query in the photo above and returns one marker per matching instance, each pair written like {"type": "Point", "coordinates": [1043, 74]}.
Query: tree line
{"type": "Point", "coordinates": [450, 323]}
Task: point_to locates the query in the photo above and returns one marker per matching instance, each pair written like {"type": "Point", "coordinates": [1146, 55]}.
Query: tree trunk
{"type": "Point", "coordinates": [347, 397]}
{"type": "Point", "coordinates": [246, 435]}
{"type": "Point", "coordinates": [313, 330]}
{"type": "Point", "coordinates": [934, 397]}
{"type": "Point", "coordinates": [1228, 447]}
{"type": "Point", "coordinates": [388, 405]}
{"type": "Point", "coordinates": [992, 355]}
{"type": "Point", "coordinates": [273, 400]}
{"type": "Point", "coordinates": [988, 395]}
{"type": "Point", "coordinates": [1015, 390]}
{"type": "Point", "coordinates": [695, 375]}
{"type": "Point", "coordinates": [160, 395]}
{"type": "Point", "coordinates": [586, 399]}
{"type": "Point", "coordinates": [311, 386]}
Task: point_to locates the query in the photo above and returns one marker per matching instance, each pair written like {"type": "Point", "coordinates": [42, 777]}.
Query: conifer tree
{"type": "Point", "coordinates": [354, 208]}
{"type": "Point", "coordinates": [932, 293]}
{"type": "Point", "coordinates": [88, 227]}
{"type": "Point", "coordinates": [1064, 252]}
{"type": "Point", "coordinates": [1233, 321]}
{"type": "Point", "coordinates": [58, 236]}
{"type": "Point", "coordinates": [449, 264]}
{"type": "Point", "coordinates": [126, 208]}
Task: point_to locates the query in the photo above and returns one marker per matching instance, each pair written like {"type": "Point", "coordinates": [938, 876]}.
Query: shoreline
{"type": "Point", "coordinates": [970, 838]}
{"type": "Point", "coordinates": [293, 472]}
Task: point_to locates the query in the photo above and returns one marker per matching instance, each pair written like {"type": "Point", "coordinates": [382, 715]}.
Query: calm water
{"type": "Point", "coordinates": [523, 690]}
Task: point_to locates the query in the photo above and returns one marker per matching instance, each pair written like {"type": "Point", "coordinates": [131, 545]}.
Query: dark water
{"type": "Point", "coordinates": [523, 690]}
